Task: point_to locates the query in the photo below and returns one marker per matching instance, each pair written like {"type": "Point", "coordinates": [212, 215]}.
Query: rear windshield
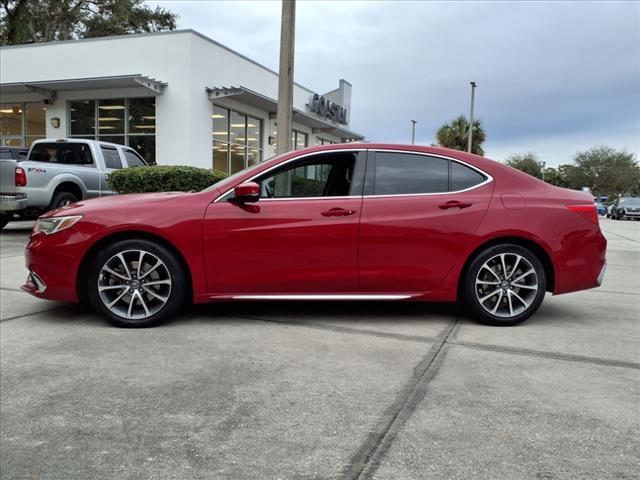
{"type": "Point", "coordinates": [64, 153]}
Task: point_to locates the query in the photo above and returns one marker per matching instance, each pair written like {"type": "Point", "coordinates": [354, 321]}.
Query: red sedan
{"type": "Point", "coordinates": [340, 222]}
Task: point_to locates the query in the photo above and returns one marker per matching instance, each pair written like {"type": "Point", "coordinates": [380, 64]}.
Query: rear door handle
{"type": "Point", "coordinates": [455, 204]}
{"type": "Point", "coordinates": [337, 212]}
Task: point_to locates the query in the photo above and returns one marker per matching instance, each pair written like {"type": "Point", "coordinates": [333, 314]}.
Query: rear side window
{"type": "Point", "coordinates": [133, 160]}
{"type": "Point", "coordinates": [111, 157]}
{"type": "Point", "coordinates": [62, 152]}
{"type": "Point", "coordinates": [463, 177]}
{"type": "Point", "coordinates": [405, 173]}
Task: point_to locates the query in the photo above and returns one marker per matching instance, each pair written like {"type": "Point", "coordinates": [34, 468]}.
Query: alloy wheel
{"type": "Point", "coordinates": [506, 285]}
{"type": "Point", "coordinates": [134, 284]}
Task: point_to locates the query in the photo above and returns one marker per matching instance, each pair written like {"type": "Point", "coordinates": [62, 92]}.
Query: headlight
{"type": "Point", "coordinates": [51, 225]}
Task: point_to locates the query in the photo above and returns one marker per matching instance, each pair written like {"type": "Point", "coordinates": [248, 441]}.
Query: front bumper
{"type": "Point", "coordinates": [53, 261]}
{"type": "Point", "coordinates": [11, 202]}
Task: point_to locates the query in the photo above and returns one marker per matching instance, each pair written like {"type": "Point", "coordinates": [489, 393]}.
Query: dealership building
{"type": "Point", "coordinates": [176, 97]}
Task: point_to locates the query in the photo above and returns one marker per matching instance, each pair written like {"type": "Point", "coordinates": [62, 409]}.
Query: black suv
{"type": "Point", "coordinates": [626, 207]}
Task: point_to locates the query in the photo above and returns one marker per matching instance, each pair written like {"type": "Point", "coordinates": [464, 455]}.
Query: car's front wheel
{"type": "Point", "coordinates": [136, 283]}
{"type": "Point", "coordinates": [504, 285]}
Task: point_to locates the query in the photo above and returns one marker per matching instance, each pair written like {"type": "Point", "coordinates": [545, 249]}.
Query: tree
{"type": "Point", "coordinates": [607, 171]}
{"type": "Point", "coordinates": [455, 135]}
{"type": "Point", "coordinates": [527, 163]}
{"type": "Point", "coordinates": [29, 21]}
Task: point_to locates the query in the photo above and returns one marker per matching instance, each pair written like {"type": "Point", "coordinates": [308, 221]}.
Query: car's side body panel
{"type": "Point", "coordinates": [409, 243]}
{"type": "Point", "coordinates": [279, 246]}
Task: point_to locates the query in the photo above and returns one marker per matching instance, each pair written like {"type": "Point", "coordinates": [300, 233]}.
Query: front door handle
{"type": "Point", "coordinates": [337, 212]}
{"type": "Point", "coordinates": [455, 204]}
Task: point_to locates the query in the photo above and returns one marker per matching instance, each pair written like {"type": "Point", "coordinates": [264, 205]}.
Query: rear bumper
{"type": "Point", "coordinates": [11, 202]}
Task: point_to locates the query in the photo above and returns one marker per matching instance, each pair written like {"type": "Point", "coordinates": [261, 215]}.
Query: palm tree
{"type": "Point", "coordinates": [455, 135]}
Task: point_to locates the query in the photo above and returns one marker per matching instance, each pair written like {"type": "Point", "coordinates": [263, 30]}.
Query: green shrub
{"type": "Point", "coordinates": [161, 178]}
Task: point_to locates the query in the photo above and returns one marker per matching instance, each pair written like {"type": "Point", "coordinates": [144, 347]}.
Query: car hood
{"type": "Point", "coordinates": [113, 202]}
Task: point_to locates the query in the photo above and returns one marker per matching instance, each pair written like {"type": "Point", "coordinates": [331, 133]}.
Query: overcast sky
{"type": "Point", "coordinates": [553, 77]}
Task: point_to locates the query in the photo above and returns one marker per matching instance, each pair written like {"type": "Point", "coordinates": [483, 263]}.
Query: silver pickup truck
{"type": "Point", "coordinates": [58, 172]}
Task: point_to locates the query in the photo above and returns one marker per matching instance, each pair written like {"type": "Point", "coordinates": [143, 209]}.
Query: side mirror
{"type": "Point", "coordinates": [248, 192]}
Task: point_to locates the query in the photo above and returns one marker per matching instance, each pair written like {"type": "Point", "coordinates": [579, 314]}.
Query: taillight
{"type": "Point", "coordinates": [590, 212]}
{"type": "Point", "coordinates": [21, 177]}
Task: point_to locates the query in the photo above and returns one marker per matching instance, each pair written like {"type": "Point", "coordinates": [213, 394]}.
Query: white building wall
{"type": "Point", "coordinates": [186, 61]}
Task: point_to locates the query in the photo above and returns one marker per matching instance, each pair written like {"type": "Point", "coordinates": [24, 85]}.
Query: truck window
{"type": "Point", "coordinates": [62, 153]}
{"type": "Point", "coordinates": [133, 159]}
{"type": "Point", "coordinates": [111, 157]}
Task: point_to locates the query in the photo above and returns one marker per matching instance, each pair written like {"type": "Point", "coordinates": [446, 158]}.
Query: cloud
{"type": "Point", "coordinates": [556, 77]}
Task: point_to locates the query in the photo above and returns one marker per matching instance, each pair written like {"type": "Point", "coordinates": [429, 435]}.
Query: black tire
{"type": "Point", "coordinates": [62, 199]}
{"type": "Point", "coordinates": [171, 267]}
{"type": "Point", "coordinates": [535, 297]}
{"type": "Point", "coordinates": [4, 219]}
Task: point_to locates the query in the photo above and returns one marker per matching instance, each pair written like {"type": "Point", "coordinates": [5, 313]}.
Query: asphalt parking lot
{"type": "Point", "coordinates": [323, 391]}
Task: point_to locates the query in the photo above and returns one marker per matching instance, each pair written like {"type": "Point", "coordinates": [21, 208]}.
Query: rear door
{"type": "Point", "coordinates": [112, 161]}
{"type": "Point", "coordinates": [419, 212]}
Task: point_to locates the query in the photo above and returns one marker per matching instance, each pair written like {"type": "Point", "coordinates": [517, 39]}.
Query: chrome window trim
{"type": "Point", "coordinates": [489, 178]}
{"type": "Point", "coordinates": [289, 161]}
{"type": "Point", "coordinates": [426, 154]}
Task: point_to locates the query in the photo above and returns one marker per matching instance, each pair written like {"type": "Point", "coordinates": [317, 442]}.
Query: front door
{"type": "Point", "coordinates": [419, 213]}
{"type": "Point", "coordinates": [301, 236]}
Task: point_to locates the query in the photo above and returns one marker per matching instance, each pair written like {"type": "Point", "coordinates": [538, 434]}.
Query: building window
{"type": "Point", "coordinates": [125, 121]}
{"type": "Point", "coordinates": [22, 123]}
{"type": "Point", "coordinates": [322, 141]}
{"type": "Point", "coordinates": [237, 140]}
{"type": "Point", "coordinates": [299, 139]}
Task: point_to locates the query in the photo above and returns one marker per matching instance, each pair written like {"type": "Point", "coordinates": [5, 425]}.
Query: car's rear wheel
{"type": "Point", "coordinates": [136, 283]}
{"type": "Point", "coordinates": [504, 285]}
{"type": "Point", "coordinates": [4, 219]}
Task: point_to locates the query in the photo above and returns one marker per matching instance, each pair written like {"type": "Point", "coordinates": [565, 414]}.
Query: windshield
{"type": "Point", "coordinates": [631, 202]}
{"type": "Point", "coordinates": [231, 179]}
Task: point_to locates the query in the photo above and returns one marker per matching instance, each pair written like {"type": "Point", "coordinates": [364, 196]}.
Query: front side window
{"type": "Point", "coordinates": [323, 176]}
{"type": "Point", "coordinates": [133, 160]}
{"type": "Point", "coordinates": [111, 157]}
{"type": "Point", "coordinates": [406, 173]}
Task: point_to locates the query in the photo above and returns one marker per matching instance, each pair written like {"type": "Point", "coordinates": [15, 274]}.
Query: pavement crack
{"type": "Point", "coordinates": [541, 353]}
{"type": "Point", "coordinates": [367, 459]}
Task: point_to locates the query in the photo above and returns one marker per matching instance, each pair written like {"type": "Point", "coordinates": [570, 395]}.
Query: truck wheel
{"type": "Point", "coordinates": [62, 199]}
{"type": "Point", "coordinates": [4, 219]}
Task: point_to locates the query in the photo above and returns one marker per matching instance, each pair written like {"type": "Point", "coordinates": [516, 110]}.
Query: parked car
{"type": "Point", "coordinates": [13, 153]}
{"type": "Point", "coordinates": [602, 210]}
{"type": "Point", "coordinates": [56, 173]}
{"type": "Point", "coordinates": [625, 207]}
{"type": "Point", "coordinates": [338, 222]}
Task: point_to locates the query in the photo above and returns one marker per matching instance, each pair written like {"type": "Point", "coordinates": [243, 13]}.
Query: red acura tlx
{"type": "Point", "coordinates": [338, 222]}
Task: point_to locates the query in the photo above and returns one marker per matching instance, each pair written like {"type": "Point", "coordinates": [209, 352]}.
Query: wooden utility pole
{"type": "Point", "coordinates": [285, 80]}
